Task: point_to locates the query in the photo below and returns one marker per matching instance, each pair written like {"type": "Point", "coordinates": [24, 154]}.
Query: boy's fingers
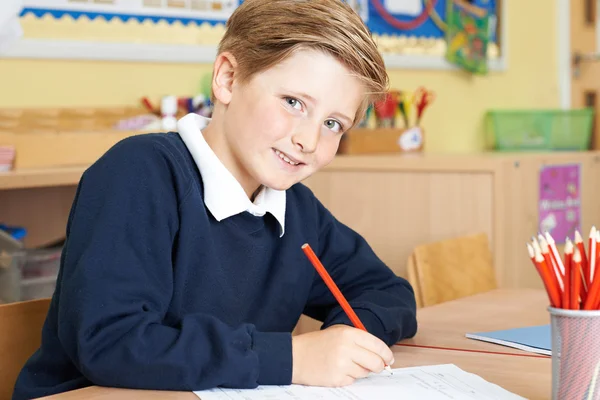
{"type": "Point", "coordinates": [375, 345]}
{"type": "Point", "coordinates": [356, 371]}
{"type": "Point", "coordinates": [368, 360]}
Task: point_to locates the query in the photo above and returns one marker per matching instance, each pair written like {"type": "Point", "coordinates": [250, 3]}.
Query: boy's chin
{"type": "Point", "coordinates": [280, 185]}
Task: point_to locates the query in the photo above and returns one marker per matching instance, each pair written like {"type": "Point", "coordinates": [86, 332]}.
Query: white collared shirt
{"type": "Point", "coordinates": [223, 195]}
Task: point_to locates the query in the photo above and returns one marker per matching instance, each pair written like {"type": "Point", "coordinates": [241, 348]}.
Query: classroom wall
{"type": "Point", "coordinates": [454, 123]}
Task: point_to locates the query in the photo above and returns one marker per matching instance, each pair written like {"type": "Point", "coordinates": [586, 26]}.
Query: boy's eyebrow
{"type": "Point", "coordinates": [312, 100]}
{"type": "Point", "coordinates": [306, 96]}
{"type": "Point", "coordinates": [347, 120]}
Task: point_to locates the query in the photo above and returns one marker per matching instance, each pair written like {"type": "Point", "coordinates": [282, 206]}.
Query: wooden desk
{"type": "Point", "coordinates": [103, 393]}
{"type": "Point", "coordinates": [526, 376]}
{"type": "Point", "coordinates": [445, 325]}
{"type": "Point", "coordinates": [441, 325]}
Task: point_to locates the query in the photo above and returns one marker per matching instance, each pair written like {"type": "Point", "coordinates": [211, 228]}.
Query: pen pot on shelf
{"type": "Point", "coordinates": [575, 354]}
{"type": "Point", "coordinates": [382, 140]}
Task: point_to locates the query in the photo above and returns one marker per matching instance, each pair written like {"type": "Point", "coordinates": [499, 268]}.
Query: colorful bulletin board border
{"type": "Point", "coordinates": [189, 30]}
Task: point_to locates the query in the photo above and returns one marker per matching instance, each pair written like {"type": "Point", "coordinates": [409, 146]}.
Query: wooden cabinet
{"type": "Point", "coordinates": [399, 201]}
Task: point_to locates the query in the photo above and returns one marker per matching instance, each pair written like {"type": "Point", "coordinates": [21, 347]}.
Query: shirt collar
{"type": "Point", "coordinates": [223, 195]}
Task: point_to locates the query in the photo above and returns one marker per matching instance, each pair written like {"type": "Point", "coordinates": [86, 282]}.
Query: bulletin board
{"type": "Point", "coordinates": [413, 18]}
{"type": "Point", "coordinates": [410, 33]}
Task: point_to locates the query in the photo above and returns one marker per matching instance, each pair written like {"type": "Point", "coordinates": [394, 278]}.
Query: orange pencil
{"type": "Point", "coordinates": [593, 294]}
{"type": "Point", "coordinates": [334, 289]}
{"type": "Point", "coordinates": [597, 251]}
{"type": "Point", "coordinates": [592, 257]}
{"type": "Point", "coordinates": [585, 267]}
{"type": "Point", "coordinates": [554, 253]}
{"type": "Point", "coordinates": [566, 294]}
{"type": "Point", "coordinates": [545, 274]}
{"type": "Point", "coordinates": [556, 275]}
{"type": "Point", "coordinates": [594, 276]}
{"type": "Point", "coordinates": [576, 280]}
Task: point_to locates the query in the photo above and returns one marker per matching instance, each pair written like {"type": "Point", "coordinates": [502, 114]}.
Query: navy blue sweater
{"type": "Point", "coordinates": [154, 293]}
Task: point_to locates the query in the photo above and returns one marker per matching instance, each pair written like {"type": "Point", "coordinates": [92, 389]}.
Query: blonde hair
{"type": "Point", "coordinates": [262, 33]}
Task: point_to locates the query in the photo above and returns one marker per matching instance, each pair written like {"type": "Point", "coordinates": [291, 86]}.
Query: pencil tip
{"type": "Point", "coordinates": [305, 245]}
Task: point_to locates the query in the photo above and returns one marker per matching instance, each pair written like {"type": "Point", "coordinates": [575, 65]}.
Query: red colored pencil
{"type": "Point", "coordinates": [592, 256]}
{"type": "Point", "coordinates": [566, 294]}
{"type": "Point", "coordinates": [333, 288]}
{"type": "Point", "coordinates": [545, 274]}
{"type": "Point", "coordinates": [576, 280]}
{"type": "Point", "coordinates": [554, 252]}
{"type": "Point", "coordinates": [585, 266]}
{"type": "Point", "coordinates": [556, 274]}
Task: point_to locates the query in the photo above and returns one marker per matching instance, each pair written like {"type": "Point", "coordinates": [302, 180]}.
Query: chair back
{"type": "Point", "coordinates": [20, 336]}
{"type": "Point", "coordinates": [450, 269]}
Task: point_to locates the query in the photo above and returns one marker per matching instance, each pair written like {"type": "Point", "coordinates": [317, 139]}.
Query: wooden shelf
{"type": "Point", "coordinates": [41, 177]}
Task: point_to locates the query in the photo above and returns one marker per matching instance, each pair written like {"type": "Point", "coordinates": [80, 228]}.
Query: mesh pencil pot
{"type": "Point", "coordinates": [539, 130]}
{"type": "Point", "coordinates": [575, 354]}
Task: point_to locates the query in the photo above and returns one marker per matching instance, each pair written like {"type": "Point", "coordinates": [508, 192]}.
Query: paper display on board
{"type": "Point", "coordinates": [10, 28]}
{"type": "Point", "coordinates": [404, 7]}
{"type": "Point", "coordinates": [433, 382]}
{"type": "Point", "coordinates": [10, 33]}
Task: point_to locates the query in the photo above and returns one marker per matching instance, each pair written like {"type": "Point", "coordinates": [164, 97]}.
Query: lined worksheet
{"type": "Point", "coordinates": [443, 382]}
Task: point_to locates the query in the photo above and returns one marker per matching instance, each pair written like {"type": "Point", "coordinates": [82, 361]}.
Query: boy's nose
{"type": "Point", "coordinates": [306, 139]}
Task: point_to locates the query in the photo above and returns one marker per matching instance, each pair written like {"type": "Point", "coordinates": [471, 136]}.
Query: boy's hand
{"type": "Point", "coordinates": [336, 356]}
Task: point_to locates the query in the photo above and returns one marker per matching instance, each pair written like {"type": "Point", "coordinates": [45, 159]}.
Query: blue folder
{"type": "Point", "coordinates": [535, 339]}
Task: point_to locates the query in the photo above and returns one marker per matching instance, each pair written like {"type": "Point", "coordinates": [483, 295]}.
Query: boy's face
{"type": "Point", "coordinates": [286, 123]}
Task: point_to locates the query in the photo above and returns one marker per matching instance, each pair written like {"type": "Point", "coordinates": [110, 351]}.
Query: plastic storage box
{"type": "Point", "coordinates": [26, 274]}
{"type": "Point", "coordinates": [530, 130]}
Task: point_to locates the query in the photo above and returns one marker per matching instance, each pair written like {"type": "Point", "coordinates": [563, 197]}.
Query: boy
{"type": "Point", "coordinates": [183, 267]}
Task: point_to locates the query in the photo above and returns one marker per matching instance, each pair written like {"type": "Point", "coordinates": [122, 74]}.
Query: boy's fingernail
{"type": "Point", "coordinates": [393, 361]}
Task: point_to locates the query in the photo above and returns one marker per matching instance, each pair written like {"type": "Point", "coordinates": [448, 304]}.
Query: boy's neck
{"type": "Point", "coordinates": [256, 192]}
{"type": "Point", "coordinates": [214, 135]}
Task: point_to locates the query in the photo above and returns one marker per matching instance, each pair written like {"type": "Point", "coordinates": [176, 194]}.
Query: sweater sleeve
{"type": "Point", "coordinates": [117, 284]}
{"type": "Point", "coordinates": [383, 301]}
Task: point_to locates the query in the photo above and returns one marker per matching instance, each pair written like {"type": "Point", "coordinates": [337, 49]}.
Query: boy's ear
{"type": "Point", "coordinates": [222, 84]}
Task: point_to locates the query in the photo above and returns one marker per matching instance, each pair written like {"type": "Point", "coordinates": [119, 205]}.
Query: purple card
{"type": "Point", "coordinates": [560, 201]}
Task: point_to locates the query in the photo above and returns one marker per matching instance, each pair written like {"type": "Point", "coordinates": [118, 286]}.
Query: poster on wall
{"type": "Point", "coordinates": [409, 18]}
{"type": "Point", "coordinates": [401, 27]}
{"type": "Point", "coordinates": [183, 11]}
{"type": "Point", "coordinates": [560, 200]}
{"type": "Point", "coordinates": [410, 33]}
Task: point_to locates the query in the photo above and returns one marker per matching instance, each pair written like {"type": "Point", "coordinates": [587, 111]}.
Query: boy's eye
{"type": "Point", "coordinates": [333, 125]}
{"type": "Point", "coordinates": [294, 103]}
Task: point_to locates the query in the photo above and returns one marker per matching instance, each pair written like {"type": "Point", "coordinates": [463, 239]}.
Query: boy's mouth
{"type": "Point", "coordinates": [288, 159]}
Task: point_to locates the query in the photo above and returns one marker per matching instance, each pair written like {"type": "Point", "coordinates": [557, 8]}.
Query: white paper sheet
{"type": "Point", "coordinates": [433, 382]}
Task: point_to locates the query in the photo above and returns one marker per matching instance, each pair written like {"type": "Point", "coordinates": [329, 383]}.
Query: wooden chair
{"type": "Point", "coordinates": [451, 269]}
{"type": "Point", "coordinates": [20, 335]}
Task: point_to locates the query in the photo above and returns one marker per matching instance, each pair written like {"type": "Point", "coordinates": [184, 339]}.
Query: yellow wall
{"type": "Point", "coordinates": [454, 123]}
